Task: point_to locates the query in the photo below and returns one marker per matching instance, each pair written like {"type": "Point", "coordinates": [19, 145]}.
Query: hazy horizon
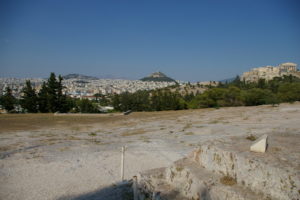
{"type": "Point", "coordinates": [188, 41]}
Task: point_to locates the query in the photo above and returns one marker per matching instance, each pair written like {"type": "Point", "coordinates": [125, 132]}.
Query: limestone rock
{"type": "Point", "coordinates": [200, 175]}
{"type": "Point", "coordinates": [260, 145]}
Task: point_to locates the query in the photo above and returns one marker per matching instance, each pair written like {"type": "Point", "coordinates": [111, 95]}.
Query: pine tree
{"type": "Point", "coordinates": [29, 98]}
{"type": "Point", "coordinates": [116, 102]}
{"type": "Point", "coordinates": [8, 100]}
{"type": "Point", "coordinates": [43, 99]}
{"type": "Point", "coordinates": [52, 90]}
{"type": "Point", "coordinates": [62, 105]}
{"type": "Point", "coordinates": [51, 97]}
{"type": "Point", "coordinates": [237, 82]}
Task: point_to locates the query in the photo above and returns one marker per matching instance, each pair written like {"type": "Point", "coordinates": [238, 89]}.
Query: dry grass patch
{"type": "Point", "coordinates": [5, 148]}
{"type": "Point", "coordinates": [187, 126]}
{"type": "Point", "coordinates": [214, 122]}
{"type": "Point", "coordinates": [219, 120]}
{"type": "Point", "coordinates": [189, 133]}
{"type": "Point", "coordinates": [25, 122]}
{"type": "Point", "coordinates": [77, 122]}
{"type": "Point", "coordinates": [96, 141]}
{"type": "Point", "coordinates": [71, 137]}
{"type": "Point", "coordinates": [275, 149]}
{"type": "Point", "coordinates": [49, 141]}
{"type": "Point", "coordinates": [64, 149]}
{"type": "Point", "coordinates": [145, 139]}
{"type": "Point", "coordinates": [251, 137]}
{"type": "Point", "coordinates": [179, 168]}
{"type": "Point", "coordinates": [246, 118]}
{"type": "Point", "coordinates": [134, 132]}
{"type": "Point", "coordinates": [92, 134]}
{"type": "Point", "coordinates": [228, 180]}
{"type": "Point", "coordinates": [76, 128]}
{"type": "Point", "coordinates": [10, 147]}
{"type": "Point", "coordinates": [46, 135]}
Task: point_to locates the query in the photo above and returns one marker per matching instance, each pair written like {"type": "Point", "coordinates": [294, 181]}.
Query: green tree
{"type": "Point", "coordinates": [232, 97]}
{"type": "Point", "coordinates": [289, 92]}
{"type": "Point", "coordinates": [86, 106]}
{"type": "Point", "coordinates": [43, 99]}
{"type": "Point", "coordinates": [189, 96]}
{"type": "Point", "coordinates": [62, 103]}
{"type": "Point", "coordinates": [125, 101]}
{"type": "Point", "coordinates": [98, 96]}
{"type": "Point", "coordinates": [212, 98]}
{"type": "Point", "coordinates": [141, 101]}
{"type": "Point", "coordinates": [8, 101]}
{"type": "Point", "coordinates": [102, 99]}
{"type": "Point", "coordinates": [52, 93]}
{"type": "Point", "coordinates": [257, 96]}
{"type": "Point", "coordinates": [29, 98]}
{"type": "Point", "coordinates": [237, 82]}
{"type": "Point", "coordinates": [261, 83]}
{"type": "Point", "coordinates": [156, 100]}
{"type": "Point", "coordinates": [116, 103]}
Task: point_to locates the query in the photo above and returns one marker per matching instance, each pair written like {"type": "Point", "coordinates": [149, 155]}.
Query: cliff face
{"type": "Point", "coordinates": [269, 72]}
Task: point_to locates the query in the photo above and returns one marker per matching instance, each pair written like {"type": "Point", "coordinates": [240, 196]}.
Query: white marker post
{"type": "Point", "coordinates": [122, 163]}
{"type": "Point", "coordinates": [135, 190]}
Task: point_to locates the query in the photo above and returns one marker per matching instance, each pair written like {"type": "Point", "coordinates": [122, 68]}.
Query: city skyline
{"type": "Point", "coordinates": [195, 41]}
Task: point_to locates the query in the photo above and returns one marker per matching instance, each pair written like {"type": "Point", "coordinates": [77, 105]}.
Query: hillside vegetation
{"type": "Point", "coordinates": [235, 93]}
{"type": "Point", "coordinates": [158, 77]}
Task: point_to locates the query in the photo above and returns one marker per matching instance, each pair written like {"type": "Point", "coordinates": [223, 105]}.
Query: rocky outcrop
{"type": "Point", "coordinates": [228, 171]}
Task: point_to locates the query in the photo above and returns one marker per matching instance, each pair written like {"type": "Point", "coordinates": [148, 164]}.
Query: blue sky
{"type": "Point", "coordinates": [187, 40]}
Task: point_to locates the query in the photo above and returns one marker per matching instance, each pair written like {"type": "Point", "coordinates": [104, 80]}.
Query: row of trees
{"type": "Point", "coordinates": [238, 93]}
{"type": "Point", "coordinates": [50, 98]}
{"type": "Point", "coordinates": [235, 93]}
{"type": "Point", "coordinates": [233, 96]}
{"type": "Point", "coordinates": [8, 101]}
{"type": "Point", "coordinates": [161, 99]}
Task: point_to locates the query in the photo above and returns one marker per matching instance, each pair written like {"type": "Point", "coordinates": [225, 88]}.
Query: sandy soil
{"type": "Point", "coordinates": [45, 156]}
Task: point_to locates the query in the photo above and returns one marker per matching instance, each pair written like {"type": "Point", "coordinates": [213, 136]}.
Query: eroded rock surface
{"type": "Point", "coordinates": [228, 170]}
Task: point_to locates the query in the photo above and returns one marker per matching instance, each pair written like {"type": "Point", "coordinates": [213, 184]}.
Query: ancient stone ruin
{"type": "Point", "coordinates": [269, 72]}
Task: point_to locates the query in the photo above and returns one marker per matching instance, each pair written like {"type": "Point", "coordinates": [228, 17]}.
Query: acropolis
{"type": "Point", "coordinates": [269, 72]}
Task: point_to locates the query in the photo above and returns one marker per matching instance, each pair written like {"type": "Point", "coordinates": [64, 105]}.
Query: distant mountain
{"type": "Point", "coordinates": [158, 77]}
{"type": "Point", "coordinates": [110, 76]}
{"type": "Point", "coordinates": [228, 80]}
{"type": "Point", "coordinates": [79, 76]}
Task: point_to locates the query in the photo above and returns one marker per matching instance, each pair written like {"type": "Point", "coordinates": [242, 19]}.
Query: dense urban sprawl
{"type": "Point", "coordinates": [85, 88]}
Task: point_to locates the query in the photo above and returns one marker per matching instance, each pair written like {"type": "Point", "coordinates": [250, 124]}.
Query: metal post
{"type": "Point", "coordinates": [134, 185]}
{"type": "Point", "coordinates": [122, 163]}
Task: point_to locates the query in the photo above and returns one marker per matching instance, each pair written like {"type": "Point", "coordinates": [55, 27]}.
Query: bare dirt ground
{"type": "Point", "coordinates": [46, 156]}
